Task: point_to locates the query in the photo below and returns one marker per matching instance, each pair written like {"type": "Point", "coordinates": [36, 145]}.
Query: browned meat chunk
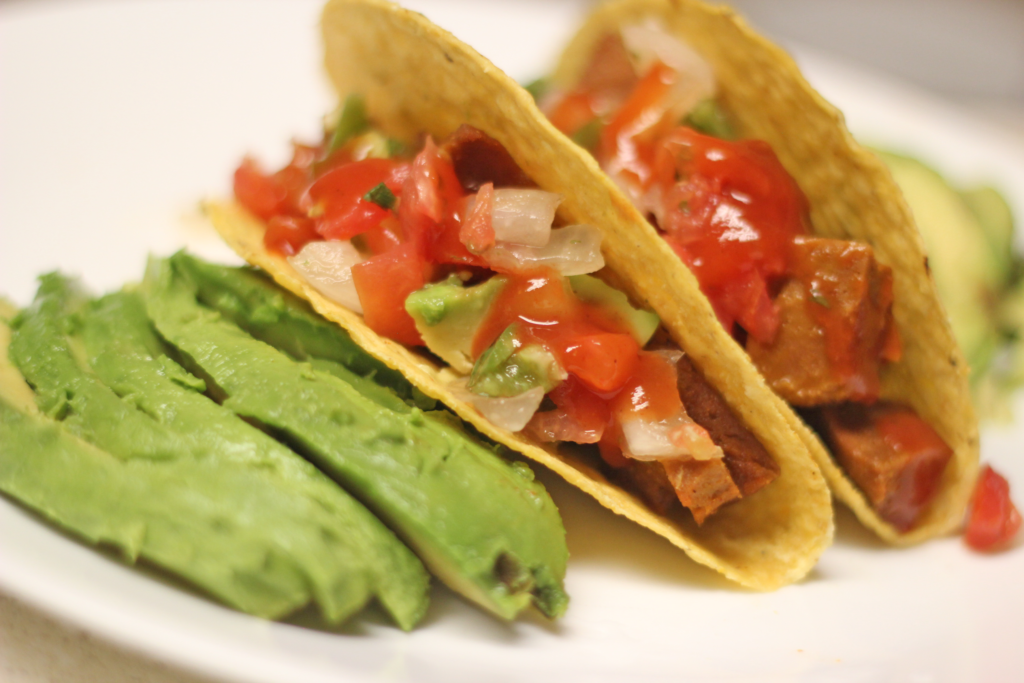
{"type": "Point", "coordinates": [479, 159]}
{"type": "Point", "coordinates": [796, 364]}
{"type": "Point", "coordinates": [749, 463]}
{"type": "Point", "coordinates": [650, 481]}
{"type": "Point", "coordinates": [703, 486]}
{"type": "Point", "coordinates": [892, 455]}
{"type": "Point", "coordinates": [835, 325]}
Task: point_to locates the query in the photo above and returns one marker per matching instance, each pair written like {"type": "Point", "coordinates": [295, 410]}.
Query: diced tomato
{"type": "Point", "coordinates": [445, 245]}
{"type": "Point", "coordinates": [746, 301]}
{"type": "Point", "coordinates": [609, 447]}
{"type": "Point", "coordinates": [477, 231]}
{"type": "Point", "coordinates": [288, 234]}
{"type": "Point", "coordinates": [277, 194]}
{"type": "Point", "coordinates": [652, 392]}
{"type": "Point", "coordinates": [572, 112]}
{"type": "Point", "coordinates": [424, 183]}
{"type": "Point", "coordinates": [992, 518]}
{"type": "Point", "coordinates": [580, 415]}
{"type": "Point", "coordinates": [590, 410]}
{"type": "Point", "coordinates": [383, 283]}
{"type": "Point", "coordinates": [603, 361]}
{"type": "Point", "coordinates": [338, 203]}
{"type": "Point", "coordinates": [385, 237]}
{"type": "Point", "coordinates": [622, 147]}
{"type": "Point", "coordinates": [258, 192]}
{"type": "Point", "coordinates": [422, 208]}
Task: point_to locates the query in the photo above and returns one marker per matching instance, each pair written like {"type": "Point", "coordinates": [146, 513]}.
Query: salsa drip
{"type": "Point", "coordinates": [815, 314]}
{"type": "Point", "coordinates": [423, 238]}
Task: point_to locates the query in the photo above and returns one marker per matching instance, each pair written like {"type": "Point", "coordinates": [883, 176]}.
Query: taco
{"type": "Point", "coordinates": [460, 239]}
{"type": "Point", "coordinates": [799, 238]}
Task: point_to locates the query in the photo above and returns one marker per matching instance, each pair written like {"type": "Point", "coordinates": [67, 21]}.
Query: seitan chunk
{"type": "Point", "coordinates": [703, 486]}
{"type": "Point", "coordinates": [749, 463]}
{"type": "Point", "coordinates": [835, 325]}
{"type": "Point", "coordinates": [891, 454]}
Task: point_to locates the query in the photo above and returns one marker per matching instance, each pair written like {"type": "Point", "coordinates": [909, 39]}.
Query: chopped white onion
{"type": "Point", "coordinates": [328, 267]}
{"type": "Point", "coordinates": [572, 250]}
{"type": "Point", "coordinates": [649, 43]}
{"type": "Point", "coordinates": [557, 425]}
{"type": "Point", "coordinates": [508, 413]}
{"type": "Point", "coordinates": [673, 356]}
{"type": "Point", "coordinates": [675, 437]}
{"type": "Point", "coordinates": [524, 216]}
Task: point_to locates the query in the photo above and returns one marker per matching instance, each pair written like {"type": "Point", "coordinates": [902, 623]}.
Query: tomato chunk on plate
{"type": "Point", "coordinates": [992, 518]}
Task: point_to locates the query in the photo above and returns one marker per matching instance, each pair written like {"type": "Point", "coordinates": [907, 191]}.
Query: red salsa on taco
{"type": "Point", "coordinates": [814, 313]}
{"type": "Point", "coordinates": [453, 248]}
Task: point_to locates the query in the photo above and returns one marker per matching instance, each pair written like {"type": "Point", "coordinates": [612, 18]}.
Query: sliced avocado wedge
{"type": "Point", "coordinates": [252, 301]}
{"type": "Point", "coordinates": [135, 457]}
{"type": "Point", "coordinates": [968, 275]}
{"type": "Point", "coordinates": [640, 323]}
{"type": "Point", "coordinates": [448, 314]}
{"type": "Point", "coordinates": [508, 367]}
{"type": "Point", "coordinates": [996, 221]}
{"type": "Point", "coordinates": [490, 533]}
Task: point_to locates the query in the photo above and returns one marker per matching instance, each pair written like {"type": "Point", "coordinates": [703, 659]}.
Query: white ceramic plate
{"type": "Point", "coordinates": [117, 117]}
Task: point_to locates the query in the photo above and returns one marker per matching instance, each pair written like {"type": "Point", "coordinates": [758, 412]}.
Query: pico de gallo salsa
{"type": "Point", "coordinates": [454, 249]}
{"type": "Point", "coordinates": [814, 314]}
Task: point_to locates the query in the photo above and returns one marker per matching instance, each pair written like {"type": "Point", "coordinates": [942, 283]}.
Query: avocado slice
{"type": "Point", "coordinates": [252, 301]}
{"type": "Point", "coordinates": [509, 368]}
{"type": "Point", "coordinates": [175, 479]}
{"type": "Point", "coordinates": [995, 219]}
{"type": "Point", "coordinates": [968, 276]}
{"type": "Point", "coordinates": [486, 530]}
{"type": "Point", "coordinates": [448, 314]}
{"type": "Point", "coordinates": [640, 323]}
{"type": "Point", "coordinates": [14, 391]}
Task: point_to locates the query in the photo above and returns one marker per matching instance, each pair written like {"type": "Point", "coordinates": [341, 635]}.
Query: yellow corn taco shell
{"type": "Point", "coordinates": [417, 78]}
{"type": "Point", "coordinates": [852, 196]}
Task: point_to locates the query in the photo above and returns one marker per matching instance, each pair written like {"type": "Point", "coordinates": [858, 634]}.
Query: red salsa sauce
{"type": "Point", "coordinates": [733, 214]}
{"type": "Point", "coordinates": [421, 234]}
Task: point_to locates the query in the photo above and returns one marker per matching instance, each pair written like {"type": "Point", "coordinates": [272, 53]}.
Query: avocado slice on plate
{"type": "Point", "coordinates": [481, 525]}
{"type": "Point", "coordinates": [131, 454]}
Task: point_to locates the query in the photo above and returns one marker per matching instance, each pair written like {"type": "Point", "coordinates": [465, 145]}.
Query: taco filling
{"type": "Point", "coordinates": [453, 248]}
{"type": "Point", "coordinates": [814, 313]}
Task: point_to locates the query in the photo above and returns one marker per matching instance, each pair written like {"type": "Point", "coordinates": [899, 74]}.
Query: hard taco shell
{"type": "Point", "coordinates": [852, 196]}
{"type": "Point", "coordinates": [417, 78]}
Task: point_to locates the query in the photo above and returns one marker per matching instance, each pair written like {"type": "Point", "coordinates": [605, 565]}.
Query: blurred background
{"type": "Point", "coordinates": [967, 51]}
